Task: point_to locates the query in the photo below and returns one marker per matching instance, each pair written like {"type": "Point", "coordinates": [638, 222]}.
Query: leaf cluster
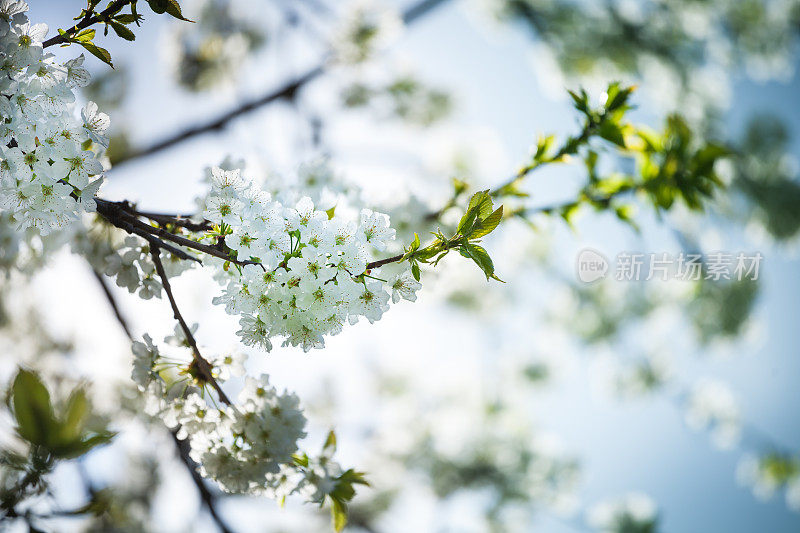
{"type": "Point", "coordinates": [63, 435]}
{"type": "Point", "coordinates": [117, 19]}
{"type": "Point", "coordinates": [479, 220]}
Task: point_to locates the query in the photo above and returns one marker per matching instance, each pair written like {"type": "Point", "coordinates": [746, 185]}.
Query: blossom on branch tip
{"type": "Point", "coordinates": [312, 274]}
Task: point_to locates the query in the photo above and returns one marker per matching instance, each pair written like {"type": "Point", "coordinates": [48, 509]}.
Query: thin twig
{"type": "Point", "coordinates": [203, 366]}
{"type": "Point", "coordinates": [380, 263]}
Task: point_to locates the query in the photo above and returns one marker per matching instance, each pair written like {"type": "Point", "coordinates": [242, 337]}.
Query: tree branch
{"type": "Point", "coordinates": [286, 92]}
{"type": "Point", "coordinates": [183, 221]}
{"type": "Point", "coordinates": [120, 215]}
{"type": "Point", "coordinates": [380, 263]}
{"type": "Point", "coordinates": [202, 366]}
{"type": "Point", "coordinates": [209, 498]}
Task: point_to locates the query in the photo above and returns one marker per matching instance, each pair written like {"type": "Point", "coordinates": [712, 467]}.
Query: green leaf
{"type": "Point", "coordinates": [415, 242]}
{"type": "Point", "coordinates": [544, 147]}
{"type": "Point", "coordinates": [581, 102]}
{"type": "Point", "coordinates": [76, 448]}
{"type": "Point", "coordinates": [481, 258]}
{"type": "Point", "coordinates": [300, 460]}
{"type": "Point", "coordinates": [569, 211]}
{"type": "Point", "coordinates": [480, 206]}
{"type": "Point", "coordinates": [128, 18]}
{"type": "Point", "coordinates": [76, 413]}
{"type": "Point", "coordinates": [330, 212]}
{"type": "Point", "coordinates": [122, 31]}
{"type": "Point", "coordinates": [174, 9]}
{"type": "Point", "coordinates": [488, 224]}
{"type": "Point", "coordinates": [100, 53]}
{"type": "Point", "coordinates": [158, 6]}
{"type": "Point", "coordinates": [330, 442]}
{"type": "Point", "coordinates": [467, 222]}
{"type": "Point", "coordinates": [339, 514]}
{"type": "Point", "coordinates": [625, 214]}
{"type": "Point", "coordinates": [617, 96]}
{"type": "Point", "coordinates": [481, 201]}
{"type": "Point", "coordinates": [415, 271]}
{"type": "Point", "coordinates": [611, 131]}
{"type": "Point", "coordinates": [32, 408]}
{"type": "Point", "coordinates": [84, 36]}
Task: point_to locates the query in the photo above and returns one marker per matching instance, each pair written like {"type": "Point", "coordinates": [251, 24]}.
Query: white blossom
{"type": "Point", "coordinates": [405, 287]}
{"type": "Point", "coordinates": [44, 165]}
{"type": "Point", "coordinates": [312, 277]}
{"type": "Point", "coordinates": [711, 405]}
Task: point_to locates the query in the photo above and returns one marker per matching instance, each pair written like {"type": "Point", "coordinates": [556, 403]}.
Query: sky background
{"type": "Point", "coordinates": [639, 445]}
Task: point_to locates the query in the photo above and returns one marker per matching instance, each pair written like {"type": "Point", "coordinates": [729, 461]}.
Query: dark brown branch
{"type": "Point", "coordinates": [208, 497]}
{"type": "Point", "coordinates": [202, 366]}
{"type": "Point", "coordinates": [183, 221]}
{"type": "Point", "coordinates": [394, 259]}
{"type": "Point", "coordinates": [87, 21]}
{"type": "Point", "coordinates": [286, 92]}
{"type": "Point", "coordinates": [120, 215]}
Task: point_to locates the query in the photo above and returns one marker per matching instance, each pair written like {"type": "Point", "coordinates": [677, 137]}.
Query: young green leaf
{"type": "Point", "coordinates": [100, 53]}
{"type": "Point", "coordinates": [76, 412]}
{"type": "Point", "coordinates": [481, 258]}
{"type": "Point", "coordinates": [32, 408]}
{"type": "Point", "coordinates": [330, 442]}
{"type": "Point", "coordinates": [122, 31]}
{"type": "Point", "coordinates": [487, 225]}
{"type": "Point", "coordinates": [174, 9]}
{"type": "Point", "coordinates": [415, 270]}
{"type": "Point", "coordinates": [339, 514]}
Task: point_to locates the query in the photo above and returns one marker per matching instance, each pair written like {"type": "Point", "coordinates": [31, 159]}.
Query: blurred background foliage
{"type": "Point", "coordinates": [468, 445]}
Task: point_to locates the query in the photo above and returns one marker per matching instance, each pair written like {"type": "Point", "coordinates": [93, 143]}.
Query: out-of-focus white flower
{"type": "Point", "coordinates": [712, 405]}
{"type": "Point", "coordinates": [766, 474]}
{"type": "Point", "coordinates": [366, 29]}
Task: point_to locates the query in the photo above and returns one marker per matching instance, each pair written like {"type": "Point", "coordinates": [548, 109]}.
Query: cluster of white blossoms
{"type": "Point", "coordinates": [249, 447]}
{"type": "Point", "coordinates": [711, 405]}
{"type": "Point", "coordinates": [49, 157]}
{"type": "Point", "coordinates": [311, 277]}
{"type": "Point", "coordinates": [633, 512]}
